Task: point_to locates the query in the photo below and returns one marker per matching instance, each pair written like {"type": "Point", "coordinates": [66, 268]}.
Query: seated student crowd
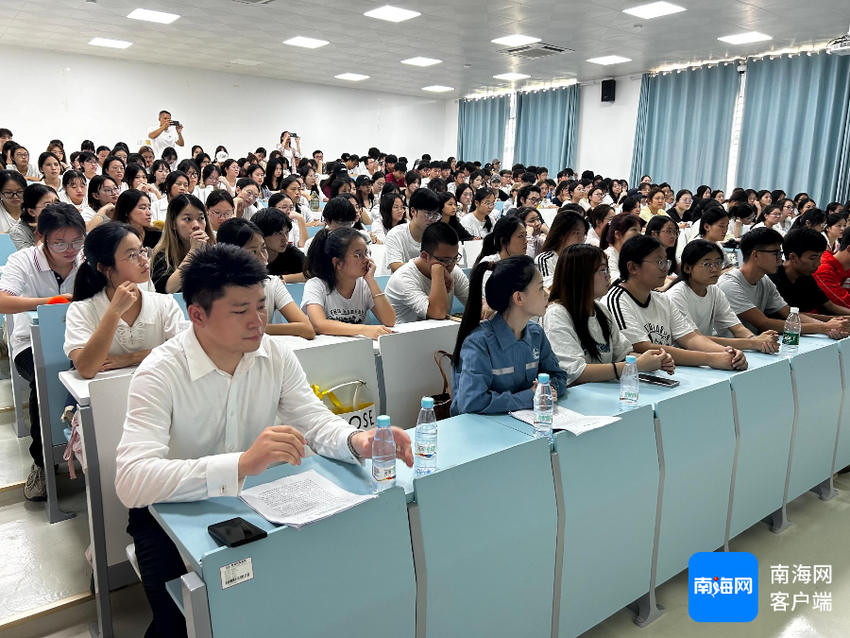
{"type": "Point", "coordinates": [548, 293]}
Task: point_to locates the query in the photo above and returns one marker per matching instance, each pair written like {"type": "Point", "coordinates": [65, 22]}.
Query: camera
{"type": "Point", "coordinates": [293, 135]}
{"type": "Point", "coordinates": [175, 123]}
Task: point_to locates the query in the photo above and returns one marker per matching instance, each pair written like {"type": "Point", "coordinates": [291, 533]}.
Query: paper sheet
{"type": "Point", "coordinates": [300, 499]}
{"type": "Point", "coordinates": [564, 419]}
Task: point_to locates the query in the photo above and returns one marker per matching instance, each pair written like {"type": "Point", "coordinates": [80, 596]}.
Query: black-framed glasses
{"type": "Point", "coordinates": [448, 262]}
{"type": "Point", "coordinates": [777, 254]}
{"type": "Point", "coordinates": [12, 194]}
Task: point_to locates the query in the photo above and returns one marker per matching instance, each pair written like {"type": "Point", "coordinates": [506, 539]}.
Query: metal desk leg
{"type": "Point", "coordinates": [196, 606]}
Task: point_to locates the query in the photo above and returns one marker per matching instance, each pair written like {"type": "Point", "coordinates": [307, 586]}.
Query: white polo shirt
{"type": "Point", "coordinates": [188, 422]}
{"type": "Point", "coordinates": [27, 274]}
{"type": "Point", "coordinates": [408, 291]}
{"type": "Point", "coordinates": [166, 139]}
{"type": "Point", "coordinates": [400, 245]}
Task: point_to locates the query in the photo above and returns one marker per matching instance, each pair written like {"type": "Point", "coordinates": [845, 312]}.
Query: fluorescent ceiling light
{"type": "Point", "coordinates": [653, 10]}
{"type": "Point", "coordinates": [112, 44]}
{"type": "Point", "coordinates": [515, 40]}
{"type": "Point", "coordinates": [307, 43]}
{"type": "Point", "coordinates": [421, 61]}
{"type": "Point", "coordinates": [437, 88]}
{"type": "Point", "coordinates": [159, 17]}
{"type": "Point", "coordinates": [609, 59]}
{"type": "Point", "coordinates": [511, 76]}
{"type": "Point", "coordinates": [745, 38]}
{"type": "Point", "coordinates": [392, 14]}
{"type": "Point", "coordinates": [245, 62]}
{"type": "Point", "coordinates": [352, 77]}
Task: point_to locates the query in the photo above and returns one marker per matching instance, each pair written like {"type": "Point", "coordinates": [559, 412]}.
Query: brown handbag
{"type": "Point", "coordinates": [442, 401]}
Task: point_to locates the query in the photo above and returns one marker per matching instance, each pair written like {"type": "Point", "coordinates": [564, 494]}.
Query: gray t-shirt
{"type": "Point", "coordinates": [743, 296]}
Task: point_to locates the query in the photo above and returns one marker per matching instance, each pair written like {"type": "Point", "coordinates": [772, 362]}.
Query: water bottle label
{"type": "Point", "coordinates": [426, 450]}
{"type": "Point", "coordinates": [543, 419]}
{"type": "Point", "coordinates": [629, 395]}
{"type": "Point", "coordinates": [383, 474]}
{"type": "Point", "coordinates": [791, 339]}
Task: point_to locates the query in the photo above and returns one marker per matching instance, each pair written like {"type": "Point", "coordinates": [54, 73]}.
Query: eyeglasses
{"type": "Point", "coordinates": [362, 254]}
{"type": "Point", "coordinates": [221, 215]}
{"type": "Point", "coordinates": [137, 257]}
{"type": "Point", "coordinates": [431, 215]}
{"type": "Point", "coordinates": [61, 247]}
{"type": "Point", "coordinates": [604, 271]}
{"type": "Point", "coordinates": [712, 265]}
{"type": "Point", "coordinates": [285, 209]}
{"type": "Point", "coordinates": [777, 254]}
{"type": "Point", "coordinates": [12, 194]}
{"type": "Point", "coordinates": [663, 264]}
{"type": "Point", "coordinates": [448, 262]}
{"type": "Point", "coordinates": [111, 191]}
{"type": "Point", "coordinates": [670, 231]}
{"type": "Point", "coordinates": [191, 174]}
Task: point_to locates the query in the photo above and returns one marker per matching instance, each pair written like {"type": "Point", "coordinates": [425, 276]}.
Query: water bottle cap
{"type": "Point", "coordinates": [428, 402]}
{"type": "Point", "coordinates": [795, 310]}
{"type": "Point", "coordinates": [631, 358]}
{"type": "Point", "coordinates": [383, 421]}
{"type": "Point", "coordinates": [542, 378]}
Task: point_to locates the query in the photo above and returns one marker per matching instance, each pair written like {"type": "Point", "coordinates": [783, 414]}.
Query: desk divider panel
{"type": "Point", "coordinates": [765, 404]}
{"type": "Point", "coordinates": [698, 438]}
{"type": "Point", "coordinates": [842, 452]}
{"type": "Point", "coordinates": [817, 375]}
{"type": "Point", "coordinates": [610, 480]}
{"type": "Point", "coordinates": [489, 534]}
{"type": "Point", "coordinates": [370, 590]}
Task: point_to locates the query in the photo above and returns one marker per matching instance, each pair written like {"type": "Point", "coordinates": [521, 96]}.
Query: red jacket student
{"type": "Point", "coordinates": [833, 274]}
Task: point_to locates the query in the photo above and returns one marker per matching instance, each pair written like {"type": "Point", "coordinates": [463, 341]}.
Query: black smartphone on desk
{"type": "Point", "coordinates": [235, 532]}
{"type": "Point", "coordinates": [656, 380]}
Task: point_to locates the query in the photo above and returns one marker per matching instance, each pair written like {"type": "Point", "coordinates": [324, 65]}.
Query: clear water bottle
{"type": "Point", "coordinates": [425, 446]}
{"type": "Point", "coordinates": [629, 384]}
{"type": "Point", "coordinates": [314, 202]}
{"type": "Point", "coordinates": [544, 407]}
{"type": "Point", "coordinates": [383, 456]}
{"type": "Point", "coordinates": [791, 334]}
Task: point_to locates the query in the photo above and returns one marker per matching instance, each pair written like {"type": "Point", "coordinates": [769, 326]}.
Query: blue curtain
{"type": "Point", "coordinates": [640, 132]}
{"type": "Point", "coordinates": [688, 127]}
{"type": "Point", "coordinates": [481, 128]}
{"type": "Point", "coordinates": [547, 128]}
{"type": "Point", "coordinates": [794, 131]}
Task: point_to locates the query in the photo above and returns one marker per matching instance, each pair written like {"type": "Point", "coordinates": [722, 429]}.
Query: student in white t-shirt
{"type": "Point", "coordinates": [698, 297]}
{"type": "Point", "coordinates": [341, 286]}
{"type": "Point", "coordinates": [166, 135]}
{"type": "Point", "coordinates": [649, 318]}
{"type": "Point", "coordinates": [208, 182]}
{"type": "Point", "coordinates": [425, 287]}
{"type": "Point", "coordinates": [583, 334]}
{"type": "Point", "coordinates": [177, 183]}
{"type": "Point", "coordinates": [103, 194]}
{"type": "Point", "coordinates": [113, 322]}
{"type": "Point", "coordinates": [568, 228]}
{"type": "Point", "coordinates": [621, 228]}
{"type": "Point", "coordinates": [479, 221]}
{"type": "Point", "coordinates": [246, 235]}
{"type": "Point", "coordinates": [247, 194]}
{"type": "Point", "coordinates": [402, 242]}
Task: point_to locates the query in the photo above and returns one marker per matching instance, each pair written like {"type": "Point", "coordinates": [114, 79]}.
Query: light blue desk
{"type": "Point", "coordinates": [842, 450]}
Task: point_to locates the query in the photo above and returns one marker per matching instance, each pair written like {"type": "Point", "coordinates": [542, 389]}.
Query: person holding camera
{"type": "Point", "coordinates": [168, 134]}
{"type": "Point", "coordinates": [285, 147]}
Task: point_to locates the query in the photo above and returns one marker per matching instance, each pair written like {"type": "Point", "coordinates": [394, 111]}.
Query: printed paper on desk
{"type": "Point", "coordinates": [300, 499]}
{"type": "Point", "coordinates": [564, 419]}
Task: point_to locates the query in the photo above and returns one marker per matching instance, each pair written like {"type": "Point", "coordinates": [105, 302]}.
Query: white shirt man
{"type": "Point", "coordinates": [166, 135]}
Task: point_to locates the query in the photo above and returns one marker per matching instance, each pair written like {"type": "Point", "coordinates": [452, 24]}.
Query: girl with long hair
{"type": "Point", "coordinates": [186, 229]}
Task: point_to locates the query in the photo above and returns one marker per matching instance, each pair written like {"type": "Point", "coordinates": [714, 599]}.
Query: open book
{"type": "Point", "coordinates": [564, 419]}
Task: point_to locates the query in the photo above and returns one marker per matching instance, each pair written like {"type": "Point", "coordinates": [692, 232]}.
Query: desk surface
{"type": "Point", "coordinates": [461, 439]}
{"type": "Point", "coordinates": [79, 387]}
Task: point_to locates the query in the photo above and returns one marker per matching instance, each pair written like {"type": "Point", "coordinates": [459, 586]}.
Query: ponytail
{"type": "Point", "coordinates": [99, 249]}
{"type": "Point", "coordinates": [500, 237]}
{"type": "Point", "coordinates": [325, 246]}
{"type": "Point", "coordinates": [510, 275]}
{"type": "Point", "coordinates": [88, 282]}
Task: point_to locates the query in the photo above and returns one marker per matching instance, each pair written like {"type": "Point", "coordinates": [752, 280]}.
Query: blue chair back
{"type": "Point", "coordinates": [178, 297]}
{"type": "Point", "coordinates": [7, 247]}
{"type": "Point", "coordinates": [312, 231]}
{"type": "Point", "coordinates": [51, 339]}
{"type": "Point", "coordinates": [499, 204]}
{"type": "Point", "coordinates": [297, 292]}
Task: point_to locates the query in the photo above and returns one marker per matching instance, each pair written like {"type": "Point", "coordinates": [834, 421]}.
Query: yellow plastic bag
{"type": "Point", "coordinates": [351, 401]}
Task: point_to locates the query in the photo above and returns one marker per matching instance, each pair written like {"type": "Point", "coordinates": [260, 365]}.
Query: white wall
{"type": "Point", "coordinates": [75, 97]}
{"type": "Point", "coordinates": [607, 129]}
{"type": "Point", "coordinates": [450, 140]}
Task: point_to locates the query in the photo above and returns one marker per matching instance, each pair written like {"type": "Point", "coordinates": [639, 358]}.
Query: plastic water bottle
{"type": "Point", "coordinates": [629, 384]}
{"type": "Point", "coordinates": [383, 456]}
{"type": "Point", "coordinates": [425, 450]}
{"type": "Point", "coordinates": [791, 334]}
{"type": "Point", "coordinates": [543, 407]}
{"type": "Point", "coordinates": [314, 201]}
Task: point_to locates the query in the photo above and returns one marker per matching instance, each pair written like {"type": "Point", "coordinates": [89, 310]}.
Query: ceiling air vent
{"type": "Point", "coordinates": [254, 1]}
{"type": "Point", "coordinates": [535, 51]}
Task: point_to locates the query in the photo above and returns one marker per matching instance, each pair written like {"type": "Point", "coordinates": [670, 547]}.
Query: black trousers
{"type": "Point", "coordinates": [159, 562]}
{"type": "Point", "coordinates": [26, 368]}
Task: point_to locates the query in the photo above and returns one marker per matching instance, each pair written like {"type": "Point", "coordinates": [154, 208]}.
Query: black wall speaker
{"type": "Point", "coordinates": [608, 90]}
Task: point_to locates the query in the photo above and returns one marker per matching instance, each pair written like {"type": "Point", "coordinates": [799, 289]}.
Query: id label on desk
{"type": "Point", "coordinates": [235, 573]}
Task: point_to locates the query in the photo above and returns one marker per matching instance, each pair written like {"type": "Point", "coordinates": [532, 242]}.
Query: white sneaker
{"type": "Point", "coordinates": [35, 489]}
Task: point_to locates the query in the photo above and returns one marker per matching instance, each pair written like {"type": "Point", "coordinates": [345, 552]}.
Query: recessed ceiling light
{"type": "Point", "coordinates": [112, 44]}
{"type": "Point", "coordinates": [437, 88]}
{"type": "Point", "coordinates": [609, 59]}
{"type": "Point", "coordinates": [392, 14]}
{"type": "Point", "coordinates": [245, 62]}
{"type": "Point", "coordinates": [159, 17]}
{"type": "Point", "coordinates": [511, 76]}
{"type": "Point", "coordinates": [421, 61]}
{"type": "Point", "coordinates": [307, 43]}
{"type": "Point", "coordinates": [653, 10]}
{"type": "Point", "coordinates": [515, 40]}
{"type": "Point", "coordinates": [745, 38]}
{"type": "Point", "coordinates": [352, 77]}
